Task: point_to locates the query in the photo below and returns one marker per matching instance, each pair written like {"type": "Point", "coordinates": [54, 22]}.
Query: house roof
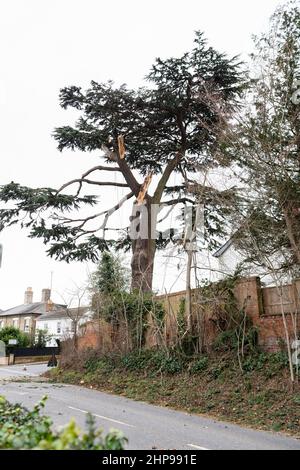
{"type": "Point", "coordinates": [37, 308]}
{"type": "Point", "coordinates": [63, 313]}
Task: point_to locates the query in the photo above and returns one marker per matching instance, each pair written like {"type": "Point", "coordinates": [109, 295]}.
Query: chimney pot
{"type": "Point", "coordinates": [46, 294]}
{"type": "Point", "coordinates": [28, 299]}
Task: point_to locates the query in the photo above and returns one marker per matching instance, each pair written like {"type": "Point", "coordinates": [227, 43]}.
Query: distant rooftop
{"type": "Point", "coordinates": [37, 308]}
{"type": "Point", "coordinates": [64, 313]}
{"type": "Point", "coordinates": [34, 308]}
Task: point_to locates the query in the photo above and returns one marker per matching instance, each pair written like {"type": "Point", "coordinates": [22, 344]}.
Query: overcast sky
{"type": "Point", "coordinates": [47, 45]}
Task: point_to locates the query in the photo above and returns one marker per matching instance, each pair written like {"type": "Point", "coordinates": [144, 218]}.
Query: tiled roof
{"type": "Point", "coordinates": [37, 308]}
{"type": "Point", "coordinates": [63, 313]}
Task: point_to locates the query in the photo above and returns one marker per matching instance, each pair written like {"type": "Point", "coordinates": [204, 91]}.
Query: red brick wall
{"type": "Point", "coordinates": [271, 331]}
{"type": "Point", "coordinates": [249, 295]}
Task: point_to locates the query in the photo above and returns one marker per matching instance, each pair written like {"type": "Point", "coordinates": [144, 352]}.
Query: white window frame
{"type": "Point", "coordinates": [27, 325]}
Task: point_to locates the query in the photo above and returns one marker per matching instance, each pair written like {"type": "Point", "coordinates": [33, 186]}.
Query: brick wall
{"type": "Point", "coordinates": [269, 318]}
{"type": "Point", "coordinates": [103, 337]}
{"type": "Point", "coordinates": [262, 305]}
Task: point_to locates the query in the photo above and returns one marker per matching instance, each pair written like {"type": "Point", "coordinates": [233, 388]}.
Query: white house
{"type": "Point", "coordinates": [60, 325]}
{"type": "Point", "coordinates": [229, 258]}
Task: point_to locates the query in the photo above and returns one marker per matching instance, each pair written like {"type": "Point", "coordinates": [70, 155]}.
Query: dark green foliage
{"type": "Point", "coordinates": [149, 118]}
{"type": "Point", "coordinates": [110, 277]}
{"type": "Point", "coordinates": [41, 339]}
{"type": "Point", "coordinates": [270, 364]}
{"type": "Point", "coordinates": [156, 361]}
{"type": "Point", "coordinates": [229, 341]}
{"type": "Point", "coordinates": [133, 309]}
{"type": "Point", "coordinates": [199, 365]}
{"type": "Point", "coordinates": [9, 332]}
{"type": "Point", "coordinates": [149, 361]}
{"type": "Point", "coordinates": [153, 362]}
{"type": "Point", "coordinates": [112, 301]}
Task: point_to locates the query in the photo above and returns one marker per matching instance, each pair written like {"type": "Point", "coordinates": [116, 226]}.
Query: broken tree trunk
{"type": "Point", "coordinates": [143, 244]}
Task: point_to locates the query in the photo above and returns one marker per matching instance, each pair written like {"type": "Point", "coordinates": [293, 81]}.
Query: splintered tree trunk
{"type": "Point", "coordinates": [143, 248]}
{"type": "Point", "coordinates": [142, 265]}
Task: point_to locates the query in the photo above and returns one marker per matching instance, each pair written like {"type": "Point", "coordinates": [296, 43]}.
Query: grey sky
{"type": "Point", "coordinates": [47, 45]}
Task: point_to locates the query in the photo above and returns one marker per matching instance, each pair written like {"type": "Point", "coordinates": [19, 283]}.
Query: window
{"type": "Point", "coordinates": [16, 323]}
{"type": "Point", "coordinates": [58, 327]}
{"type": "Point", "coordinates": [1, 324]}
{"type": "Point", "coordinates": [45, 327]}
{"type": "Point", "coordinates": [26, 325]}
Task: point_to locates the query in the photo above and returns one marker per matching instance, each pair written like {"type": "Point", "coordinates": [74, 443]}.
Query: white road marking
{"type": "Point", "coordinates": [102, 417]}
{"type": "Point", "coordinates": [197, 447]}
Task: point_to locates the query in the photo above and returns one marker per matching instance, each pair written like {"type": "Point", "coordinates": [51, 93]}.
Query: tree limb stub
{"type": "Point", "coordinates": [121, 147]}
{"type": "Point", "coordinates": [144, 189]}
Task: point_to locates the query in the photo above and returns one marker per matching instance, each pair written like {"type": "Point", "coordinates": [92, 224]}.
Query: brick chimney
{"type": "Point", "coordinates": [46, 294]}
{"type": "Point", "coordinates": [28, 298]}
{"type": "Point", "coordinates": [49, 306]}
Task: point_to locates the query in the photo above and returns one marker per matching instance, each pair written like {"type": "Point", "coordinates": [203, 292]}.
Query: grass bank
{"type": "Point", "coordinates": [261, 397]}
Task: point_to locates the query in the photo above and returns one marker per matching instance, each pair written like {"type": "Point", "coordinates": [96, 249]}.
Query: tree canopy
{"type": "Point", "coordinates": [171, 125]}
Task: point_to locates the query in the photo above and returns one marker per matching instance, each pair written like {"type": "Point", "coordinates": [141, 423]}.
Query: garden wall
{"type": "Point", "coordinates": [263, 305]}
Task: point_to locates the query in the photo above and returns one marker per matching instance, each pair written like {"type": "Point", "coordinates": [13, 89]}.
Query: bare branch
{"type": "Point", "coordinates": [87, 173]}
{"type": "Point", "coordinates": [108, 213]}
{"type": "Point", "coordinates": [181, 200]}
{"type": "Point", "coordinates": [80, 181]}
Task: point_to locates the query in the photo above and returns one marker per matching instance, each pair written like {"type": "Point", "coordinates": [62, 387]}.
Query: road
{"type": "Point", "coordinates": [145, 426]}
{"type": "Point", "coordinates": [19, 371]}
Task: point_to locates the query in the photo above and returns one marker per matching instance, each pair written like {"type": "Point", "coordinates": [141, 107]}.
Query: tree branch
{"type": "Point", "coordinates": [106, 213]}
{"type": "Point", "coordinates": [95, 183]}
{"type": "Point", "coordinates": [126, 171]}
{"type": "Point", "coordinates": [87, 173]}
{"type": "Point", "coordinates": [181, 200]}
{"type": "Point", "coordinates": [100, 168]}
{"type": "Point", "coordinates": [165, 177]}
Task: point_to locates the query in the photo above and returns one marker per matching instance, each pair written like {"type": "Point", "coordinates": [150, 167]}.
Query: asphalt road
{"type": "Point", "coordinates": [144, 425]}
{"type": "Point", "coordinates": [19, 371]}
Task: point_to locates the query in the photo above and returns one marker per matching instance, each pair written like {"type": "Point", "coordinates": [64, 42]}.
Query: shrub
{"type": "Point", "coordinates": [172, 365]}
{"type": "Point", "coordinates": [157, 361]}
{"type": "Point", "coordinates": [41, 339]}
{"type": "Point", "coordinates": [137, 360]}
{"type": "Point", "coordinates": [10, 332]}
{"type": "Point", "coordinates": [24, 429]}
{"type": "Point", "coordinates": [229, 341]}
{"type": "Point", "coordinates": [199, 365]}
